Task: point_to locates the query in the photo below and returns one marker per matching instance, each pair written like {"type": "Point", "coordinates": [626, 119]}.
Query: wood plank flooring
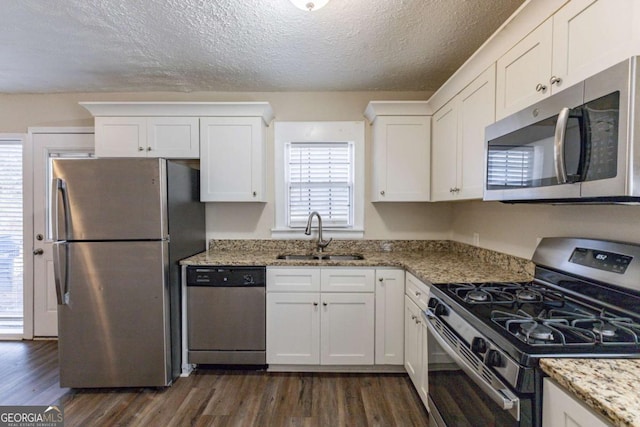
{"type": "Point", "coordinates": [209, 397]}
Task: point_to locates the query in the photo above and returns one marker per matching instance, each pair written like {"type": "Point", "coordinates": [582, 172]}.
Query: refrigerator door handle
{"type": "Point", "coordinates": [59, 186]}
{"type": "Point", "coordinates": [60, 275]}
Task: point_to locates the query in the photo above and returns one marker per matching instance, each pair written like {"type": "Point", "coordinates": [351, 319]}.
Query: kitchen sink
{"type": "Point", "coordinates": [321, 257]}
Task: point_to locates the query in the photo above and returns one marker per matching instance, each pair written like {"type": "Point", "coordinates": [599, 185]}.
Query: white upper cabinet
{"type": "Point", "coordinates": [173, 137]}
{"type": "Point", "coordinates": [169, 137]}
{"type": "Point", "coordinates": [232, 159]}
{"type": "Point", "coordinates": [401, 133]}
{"type": "Point", "coordinates": [580, 39]}
{"type": "Point", "coordinates": [591, 35]}
{"type": "Point", "coordinates": [523, 72]}
{"type": "Point", "coordinates": [458, 140]}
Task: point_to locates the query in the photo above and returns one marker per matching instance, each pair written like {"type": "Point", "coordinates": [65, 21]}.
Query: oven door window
{"type": "Point", "coordinates": [459, 401]}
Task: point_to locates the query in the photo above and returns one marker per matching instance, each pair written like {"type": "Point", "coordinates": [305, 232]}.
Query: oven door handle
{"type": "Point", "coordinates": [503, 397]}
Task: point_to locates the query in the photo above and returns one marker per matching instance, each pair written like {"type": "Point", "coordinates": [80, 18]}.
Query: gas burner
{"type": "Point", "coordinates": [528, 295]}
{"type": "Point", "coordinates": [477, 296]}
{"type": "Point", "coordinates": [482, 293]}
{"type": "Point", "coordinates": [543, 329]}
{"type": "Point", "coordinates": [605, 329]}
{"type": "Point", "coordinates": [536, 331]}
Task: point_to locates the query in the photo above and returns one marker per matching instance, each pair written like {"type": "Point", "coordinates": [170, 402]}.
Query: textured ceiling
{"type": "Point", "coordinates": [238, 45]}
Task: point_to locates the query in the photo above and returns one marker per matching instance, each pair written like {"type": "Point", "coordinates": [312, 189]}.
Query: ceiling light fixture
{"type": "Point", "coordinates": [309, 5]}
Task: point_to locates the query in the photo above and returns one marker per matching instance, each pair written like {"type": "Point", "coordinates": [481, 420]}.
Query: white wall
{"type": "Point", "coordinates": [252, 220]}
{"type": "Point", "coordinates": [514, 229]}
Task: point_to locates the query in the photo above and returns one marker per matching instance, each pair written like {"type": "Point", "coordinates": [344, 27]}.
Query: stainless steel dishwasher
{"type": "Point", "coordinates": [226, 315]}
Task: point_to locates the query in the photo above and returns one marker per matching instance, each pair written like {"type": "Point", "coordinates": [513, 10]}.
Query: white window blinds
{"type": "Point", "coordinates": [510, 167]}
{"type": "Point", "coordinates": [11, 258]}
{"type": "Point", "coordinates": [319, 178]}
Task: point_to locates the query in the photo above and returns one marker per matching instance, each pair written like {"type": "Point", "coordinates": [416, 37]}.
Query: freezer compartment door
{"type": "Point", "coordinates": [109, 199]}
{"type": "Point", "coordinates": [114, 327]}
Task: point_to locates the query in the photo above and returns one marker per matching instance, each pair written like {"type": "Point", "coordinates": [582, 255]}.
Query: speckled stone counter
{"type": "Point", "coordinates": [429, 260]}
{"type": "Point", "coordinates": [611, 387]}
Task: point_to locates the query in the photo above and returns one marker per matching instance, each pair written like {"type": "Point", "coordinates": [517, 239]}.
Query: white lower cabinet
{"type": "Point", "coordinates": [389, 317]}
{"type": "Point", "coordinates": [320, 328]}
{"type": "Point", "coordinates": [412, 341]}
{"type": "Point", "coordinates": [293, 328]}
{"type": "Point", "coordinates": [416, 343]}
{"type": "Point", "coordinates": [346, 329]}
{"type": "Point", "coordinates": [560, 409]}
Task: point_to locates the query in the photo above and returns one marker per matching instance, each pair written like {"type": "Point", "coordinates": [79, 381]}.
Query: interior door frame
{"type": "Point", "coordinates": [27, 170]}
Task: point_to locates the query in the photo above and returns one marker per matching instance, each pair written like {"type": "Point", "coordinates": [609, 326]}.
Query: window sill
{"type": "Point", "coordinates": [289, 233]}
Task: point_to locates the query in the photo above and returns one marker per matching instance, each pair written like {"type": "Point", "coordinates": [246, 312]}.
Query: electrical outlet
{"type": "Point", "coordinates": [476, 239]}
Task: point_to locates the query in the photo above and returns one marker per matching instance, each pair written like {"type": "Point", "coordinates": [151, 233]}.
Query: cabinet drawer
{"type": "Point", "coordinates": [417, 291]}
{"type": "Point", "coordinates": [293, 279]}
{"type": "Point", "coordinates": [347, 280]}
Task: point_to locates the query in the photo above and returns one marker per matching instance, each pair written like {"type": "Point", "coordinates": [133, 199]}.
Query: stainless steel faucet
{"type": "Point", "coordinates": [321, 244]}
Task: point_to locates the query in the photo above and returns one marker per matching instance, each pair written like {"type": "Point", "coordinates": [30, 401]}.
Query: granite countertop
{"type": "Point", "coordinates": [611, 387]}
{"type": "Point", "coordinates": [430, 261]}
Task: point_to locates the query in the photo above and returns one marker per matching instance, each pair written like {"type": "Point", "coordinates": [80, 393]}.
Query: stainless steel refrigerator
{"type": "Point", "coordinates": [120, 226]}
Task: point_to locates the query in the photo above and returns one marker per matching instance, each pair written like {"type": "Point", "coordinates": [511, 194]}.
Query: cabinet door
{"type": "Point", "coordinates": [232, 159]}
{"type": "Point", "coordinates": [412, 341]}
{"type": "Point", "coordinates": [559, 409]}
{"type": "Point", "coordinates": [444, 152]}
{"type": "Point", "coordinates": [423, 389]}
{"type": "Point", "coordinates": [121, 136]}
{"type": "Point", "coordinates": [293, 328]}
{"type": "Point", "coordinates": [347, 279]}
{"type": "Point", "coordinates": [173, 137]}
{"type": "Point", "coordinates": [476, 111]}
{"type": "Point", "coordinates": [347, 329]}
{"type": "Point", "coordinates": [523, 72]}
{"type": "Point", "coordinates": [589, 36]}
{"type": "Point", "coordinates": [389, 317]}
{"type": "Point", "coordinates": [402, 153]}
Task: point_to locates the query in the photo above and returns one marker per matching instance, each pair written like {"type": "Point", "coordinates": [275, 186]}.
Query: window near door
{"type": "Point", "coordinates": [319, 166]}
{"type": "Point", "coordinates": [11, 231]}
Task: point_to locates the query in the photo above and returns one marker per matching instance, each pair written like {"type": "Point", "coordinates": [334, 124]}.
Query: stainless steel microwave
{"type": "Point", "coordinates": [578, 145]}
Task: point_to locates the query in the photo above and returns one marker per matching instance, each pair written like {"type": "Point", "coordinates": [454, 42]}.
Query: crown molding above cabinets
{"type": "Point", "coordinates": [182, 109]}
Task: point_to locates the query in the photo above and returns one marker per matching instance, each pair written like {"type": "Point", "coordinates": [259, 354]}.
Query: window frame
{"type": "Point", "coordinates": [320, 132]}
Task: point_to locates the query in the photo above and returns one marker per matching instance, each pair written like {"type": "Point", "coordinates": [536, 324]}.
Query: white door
{"type": "Point", "coordinates": [47, 146]}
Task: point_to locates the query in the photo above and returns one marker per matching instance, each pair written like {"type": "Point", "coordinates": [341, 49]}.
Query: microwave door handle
{"type": "Point", "coordinates": [503, 398]}
{"type": "Point", "coordinates": [558, 145]}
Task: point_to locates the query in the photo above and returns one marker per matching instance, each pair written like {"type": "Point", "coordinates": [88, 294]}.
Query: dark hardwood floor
{"type": "Point", "coordinates": [29, 372]}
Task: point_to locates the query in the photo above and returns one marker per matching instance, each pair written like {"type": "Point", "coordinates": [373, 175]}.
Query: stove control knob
{"type": "Point", "coordinates": [493, 358]}
{"type": "Point", "coordinates": [478, 345]}
{"type": "Point", "coordinates": [441, 310]}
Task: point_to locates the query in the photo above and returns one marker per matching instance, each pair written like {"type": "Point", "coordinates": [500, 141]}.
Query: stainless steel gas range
{"type": "Point", "coordinates": [485, 339]}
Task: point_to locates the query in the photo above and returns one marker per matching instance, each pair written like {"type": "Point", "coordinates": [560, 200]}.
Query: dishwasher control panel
{"type": "Point", "coordinates": [226, 276]}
